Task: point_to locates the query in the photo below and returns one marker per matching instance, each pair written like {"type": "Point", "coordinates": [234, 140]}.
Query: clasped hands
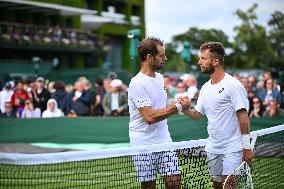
{"type": "Point", "coordinates": [185, 102]}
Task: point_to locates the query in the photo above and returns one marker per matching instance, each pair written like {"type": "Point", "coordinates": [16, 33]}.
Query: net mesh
{"type": "Point", "coordinates": [125, 167]}
{"type": "Point", "coordinates": [268, 161]}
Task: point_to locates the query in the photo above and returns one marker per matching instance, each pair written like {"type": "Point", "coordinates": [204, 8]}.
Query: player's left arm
{"type": "Point", "coordinates": [245, 130]}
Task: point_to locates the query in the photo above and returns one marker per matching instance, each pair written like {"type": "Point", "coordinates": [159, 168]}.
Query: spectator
{"type": "Point", "coordinates": [19, 97]}
{"type": "Point", "coordinates": [111, 76]}
{"type": "Point", "coordinates": [9, 112]}
{"type": "Point", "coordinates": [59, 95]}
{"type": "Point", "coordinates": [52, 110]}
{"type": "Point", "coordinates": [97, 108]}
{"type": "Point", "coordinates": [79, 100]}
{"type": "Point", "coordinates": [257, 107]}
{"type": "Point", "coordinates": [259, 87]}
{"type": "Point", "coordinates": [30, 111]}
{"type": "Point", "coordinates": [5, 95]}
{"type": "Point", "coordinates": [69, 88]}
{"type": "Point", "coordinates": [181, 91]}
{"type": "Point", "coordinates": [273, 110]}
{"type": "Point", "coordinates": [191, 84]}
{"type": "Point", "coordinates": [86, 83]}
{"type": "Point", "coordinates": [170, 87]}
{"type": "Point", "coordinates": [115, 103]}
{"type": "Point", "coordinates": [31, 89]}
{"type": "Point", "coordinates": [252, 84]}
{"type": "Point", "coordinates": [269, 93]}
{"type": "Point", "coordinates": [41, 94]}
{"type": "Point", "coordinates": [266, 75]}
{"type": "Point", "coordinates": [237, 76]}
{"type": "Point", "coordinates": [50, 87]}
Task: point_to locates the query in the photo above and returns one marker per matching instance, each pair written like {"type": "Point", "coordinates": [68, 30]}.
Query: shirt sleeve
{"type": "Point", "coordinates": [239, 97]}
{"type": "Point", "coordinates": [139, 95]}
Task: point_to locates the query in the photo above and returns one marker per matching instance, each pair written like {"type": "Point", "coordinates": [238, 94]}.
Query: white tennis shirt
{"type": "Point", "coordinates": [147, 91]}
{"type": "Point", "coordinates": [219, 102]}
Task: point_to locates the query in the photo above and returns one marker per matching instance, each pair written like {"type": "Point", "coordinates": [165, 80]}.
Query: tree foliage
{"type": "Point", "coordinates": [277, 40]}
{"type": "Point", "coordinates": [199, 36]}
{"type": "Point", "coordinates": [196, 37]}
{"type": "Point", "coordinates": [251, 46]}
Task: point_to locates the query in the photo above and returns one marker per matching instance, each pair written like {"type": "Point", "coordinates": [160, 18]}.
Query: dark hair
{"type": "Point", "coordinates": [148, 46]}
{"type": "Point", "coordinates": [99, 81]}
{"type": "Point", "coordinates": [59, 85]}
{"type": "Point", "coordinates": [215, 49]}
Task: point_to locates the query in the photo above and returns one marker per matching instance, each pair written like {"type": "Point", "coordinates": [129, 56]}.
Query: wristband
{"type": "Point", "coordinates": [179, 108]}
{"type": "Point", "coordinates": [246, 141]}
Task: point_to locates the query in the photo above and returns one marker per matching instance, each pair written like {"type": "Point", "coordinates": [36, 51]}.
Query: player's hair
{"type": "Point", "coordinates": [148, 46]}
{"type": "Point", "coordinates": [215, 49]}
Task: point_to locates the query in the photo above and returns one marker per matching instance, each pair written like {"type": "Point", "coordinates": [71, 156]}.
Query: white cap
{"type": "Point", "coordinates": [116, 83]}
{"type": "Point", "coordinates": [184, 76]}
{"type": "Point", "coordinates": [40, 79]}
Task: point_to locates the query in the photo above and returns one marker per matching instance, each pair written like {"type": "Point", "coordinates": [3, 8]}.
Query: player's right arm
{"type": "Point", "coordinates": [139, 95]}
{"type": "Point", "coordinates": [152, 116]}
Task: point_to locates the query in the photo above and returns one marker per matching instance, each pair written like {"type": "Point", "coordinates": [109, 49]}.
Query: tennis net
{"type": "Point", "coordinates": [126, 167]}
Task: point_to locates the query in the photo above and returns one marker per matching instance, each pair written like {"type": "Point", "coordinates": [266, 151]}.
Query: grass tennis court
{"type": "Point", "coordinates": [119, 173]}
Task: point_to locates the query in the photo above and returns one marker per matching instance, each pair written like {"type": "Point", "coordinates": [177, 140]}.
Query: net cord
{"type": "Point", "coordinates": [53, 158]}
{"type": "Point", "coordinates": [255, 134]}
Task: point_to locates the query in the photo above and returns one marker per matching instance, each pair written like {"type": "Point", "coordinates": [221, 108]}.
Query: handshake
{"type": "Point", "coordinates": [182, 104]}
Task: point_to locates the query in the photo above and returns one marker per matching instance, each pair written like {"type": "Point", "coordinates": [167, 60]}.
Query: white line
{"type": "Point", "coordinates": [70, 173]}
{"type": "Point", "coordinates": [68, 181]}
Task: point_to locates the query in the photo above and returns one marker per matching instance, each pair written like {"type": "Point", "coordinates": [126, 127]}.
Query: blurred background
{"type": "Point", "coordinates": [71, 50]}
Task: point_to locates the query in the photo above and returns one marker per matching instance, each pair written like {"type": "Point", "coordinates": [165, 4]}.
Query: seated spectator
{"type": "Point", "coordinates": [41, 94]}
{"type": "Point", "coordinates": [52, 110]}
{"type": "Point", "coordinates": [59, 94]}
{"type": "Point", "coordinates": [269, 93]}
{"type": "Point", "coordinates": [79, 100]}
{"type": "Point", "coordinates": [30, 111]}
{"type": "Point", "coordinates": [9, 112]}
{"type": "Point", "coordinates": [19, 97]}
{"type": "Point", "coordinates": [257, 107]}
{"type": "Point", "coordinates": [273, 110]}
{"type": "Point", "coordinates": [115, 102]}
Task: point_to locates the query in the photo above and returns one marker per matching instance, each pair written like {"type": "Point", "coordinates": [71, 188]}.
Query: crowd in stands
{"type": "Point", "coordinates": [23, 34]}
{"type": "Point", "coordinates": [108, 96]}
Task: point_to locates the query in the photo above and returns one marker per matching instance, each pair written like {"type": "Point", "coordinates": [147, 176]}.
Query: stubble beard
{"type": "Point", "coordinates": [156, 66]}
{"type": "Point", "coordinates": [209, 70]}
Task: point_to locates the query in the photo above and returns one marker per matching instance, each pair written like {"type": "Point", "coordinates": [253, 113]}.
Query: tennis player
{"type": "Point", "coordinates": [147, 100]}
{"type": "Point", "coordinates": [224, 101]}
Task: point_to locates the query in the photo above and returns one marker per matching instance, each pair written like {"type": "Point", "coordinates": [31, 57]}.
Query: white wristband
{"type": "Point", "coordinates": [246, 141]}
{"type": "Point", "coordinates": [179, 107]}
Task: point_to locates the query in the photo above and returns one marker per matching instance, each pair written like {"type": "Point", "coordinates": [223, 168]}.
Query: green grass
{"type": "Point", "coordinates": [120, 173]}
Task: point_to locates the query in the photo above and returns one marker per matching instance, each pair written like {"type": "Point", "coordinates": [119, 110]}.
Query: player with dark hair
{"type": "Point", "coordinates": [147, 100]}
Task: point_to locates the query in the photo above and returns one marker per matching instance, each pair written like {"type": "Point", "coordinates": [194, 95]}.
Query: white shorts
{"type": "Point", "coordinates": [223, 164]}
{"type": "Point", "coordinates": [148, 165]}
